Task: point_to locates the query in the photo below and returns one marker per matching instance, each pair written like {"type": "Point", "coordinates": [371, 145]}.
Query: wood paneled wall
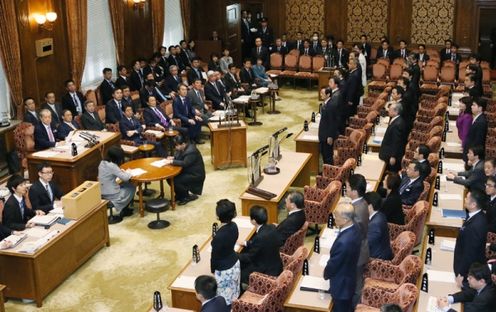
{"type": "Point", "coordinates": [138, 29]}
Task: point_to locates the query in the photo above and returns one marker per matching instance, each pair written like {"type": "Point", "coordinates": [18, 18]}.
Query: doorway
{"type": "Point", "coordinates": [487, 35]}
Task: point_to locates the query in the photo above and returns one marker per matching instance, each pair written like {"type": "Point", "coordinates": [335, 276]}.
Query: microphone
{"type": "Point", "coordinates": [276, 134]}
{"type": "Point", "coordinates": [260, 150]}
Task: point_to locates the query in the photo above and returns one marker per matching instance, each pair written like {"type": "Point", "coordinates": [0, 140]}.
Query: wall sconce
{"type": "Point", "coordinates": [46, 21]}
{"type": "Point", "coordinates": [139, 4]}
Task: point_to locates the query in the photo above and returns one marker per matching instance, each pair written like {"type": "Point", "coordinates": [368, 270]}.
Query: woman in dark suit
{"type": "Point", "coordinates": [224, 260]}
{"type": "Point", "coordinates": [391, 205]}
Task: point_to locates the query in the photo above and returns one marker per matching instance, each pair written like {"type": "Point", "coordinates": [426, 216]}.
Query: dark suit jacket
{"type": "Point", "coordinates": [41, 139]}
{"type": "Point", "coordinates": [112, 112]}
{"type": "Point", "coordinates": [393, 144]}
{"type": "Point", "coordinates": [231, 82]}
{"type": "Point", "coordinates": [329, 120]}
{"type": "Point", "coordinates": [247, 76]}
{"type": "Point", "coordinates": [362, 223]}
{"type": "Point", "coordinates": [354, 89]}
{"type": "Point", "coordinates": [127, 125]}
{"type": "Point", "coordinates": [56, 114]}
{"type": "Point", "coordinates": [310, 51]}
{"type": "Point", "coordinates": [476, 133]}
{"type": "Point", "coordinates": [264, 54]}
{"type": "Point", "coordinates": [367, 51]}
{"type": "Point", "coordinates": [39, 198]}
{"type": "Point", "coordinates": [491, 215]}
{"type": "Point", "coordinates": [135, 83]}
{"type": "Point", "coordinates": [185, 58]}
{"type": "Point", "coordinates": [217, 304]}
{"type": "Point", "coordinates": [267, 36]}
{"type": "Point", "coordinates": [291, 224]}
{"type": "Point", "coordinates": [183, 111]}
{"type": "Point", "coordinates": [90, 123]}
{"type": "Point", "coordinates": [474, 178]}
{"type": "Point", "coordinates": [68, 102]}
{"type": "Point", "coordinates": [195, 101]}
{"type": "Point", "coordinates": [389, 54]}
{"type": "Point", "coordinates": [282, 50]}
{"type": "Point", "coordinates": [425, 57]}
{"type": "Point", "coordinates": [28, 117]}
{"type": "Point", "coordinates": [215, 95]}
{"type": "Point", "coordinates": [398, 54]}
{"type": "Point", "coordinates": [341, 268]}
{"type": "Point", "coordinates": [344, 58]}
{"type": "Point", "coordinates": [4, 231]}
{"type": "Point", "coordinates": [123, 81]}
{"type": "Point", "coordinates": [223, 256]}
{"type": "Point", "coordinates": [470, 244]}
{"type": "Point", "coordinates": [412, 192]}
{"type": "Point", "coordinates": [176, 60]}
{"type": "Point", "coordinates": [64, 129]}
{"type": "Point", "coordinates": [425, 169]}
{"type": "Point", "coordinates": [193, 168]}
{"type": "Point", "coordinates": [145, 93]}
{"type": "Point", "coordinates": [392, 208]}
{"type": "Point", "coordinates": [445, 54]}
{"type": "Point", "coordinates": [12, 217]}
{"type": "Point", "coordinates": [192, 75]}
{"type": "Point", "coordinates": [171, 83]}
{"type": "Point", "coordinates": [378, 236]}
{"type": "Point", "coordinates": [262, 251]}
{"type": "Point", "coordinates": [485, 301]}
{"type": "Point", "coordinates": [106, 90]}
{"type": "Point", "coordinates": [298, 45]}
{"type": "Point", "coordinates": [474, 91]}
{"type": "Point", "coordinates": [151, 119]}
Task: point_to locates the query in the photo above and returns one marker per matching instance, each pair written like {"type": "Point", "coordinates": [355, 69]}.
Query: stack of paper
{"type": "Point", "coordinates": [31, 247]}
{"type": "Point", "coordinates": [46, 220]}
{"type": "Point", "coordinates": [380, 130]}
{"type": "Point", "coordinates": [441, 276]}
{"type": "Point", "coordinates": [262, 90]}
{"type": "Point", "coordinates": [184, 281]}
{"type": "Point", "coordinates": [323, 260]}
{"type": "Point", "coordinates": [310, 137]}
{"type": "Point", "coordinates": [46, 154]}
{"type": "Point", "coordinates": [448, 245]}
{"type": "Point", "coordinates": [454, 144]}
{"type": "Point", "coordinates": [313, 283]}
{"type": "Point", "coordinates": [136, 171]}
{"type": "Point", "coordinates": [156, 133]}
{"type": "Point", "coordinates": [444, 196]}
{"type": "Point", "coordinates": [14, 240]}
{"type": "Point", "coordinates": [159, 163]}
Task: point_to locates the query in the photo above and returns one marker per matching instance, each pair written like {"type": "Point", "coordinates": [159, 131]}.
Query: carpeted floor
{"type": "Point", "coordinates": [139, 261]}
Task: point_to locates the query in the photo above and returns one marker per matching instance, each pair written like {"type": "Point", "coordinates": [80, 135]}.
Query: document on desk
{"type": "Point", "coordinates": [262, 90]}
{"type": "Point", "coordinates": [46, 154]}
{"type": "Point", "coordinates": [314, 283]}
{"type": "Point", "coordinates": [432, 305]}
{"type": "Point", "coordinates": [457, 167]}
{"type": "Point", "coordinates": [31, 247]}
{"type": "Point", "coordinates": [243, 223]}
{"type": "Point", "coordinates": [184, 281]}
{"type": "Point", "coordinates": [444, 196]}
{"type": "Point", "coordinates": [36, 232]}
{"type": "Point", "coordinates": [310, 137]}
{"type": "Point", "coordinates": [241, 100]}
{"type": "Point", "coordinates": [441, 276]}
{"type": "Point", "coordinates": [378, 139]}
{"type": "Point", "coordinates": [313, 125]}
{"type": "Point", "coordinates": [159, 163]}
{"type": "Point", "coordinates": [46, 220]}
{"type": "Point", "coordinates": [380, 130]}
{"type": "Point", "coordinates": [454, 144]}
{"type": "Point", "coordinates": [156, 133]}
{"type": "Point", "coordinates": [136, 172]}
{"type": "Point", "coordinates": [454, 213]}
{"type": "Point", "coordinates": [447, 245]}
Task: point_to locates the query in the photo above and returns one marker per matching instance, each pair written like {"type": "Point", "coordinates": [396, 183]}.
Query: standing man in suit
{"type": "Point", "coordinates": [367, 49]}
{"type": "Point", "coordinates": [67, 125]}
{"type": "Point", "coordinates": [445, 53]}
{"type": "Point", "coordinates": [90, 118]}
{"type": "Point", "coordinates": [31, 115]}
{"type": "Point", "coordinates": [113, 108]}
{"type": "Point", "coordinates": [213, 92]}
{"type": "Point", "coordinates": [356, 185]}
{"type": "Point", "coordinates": [491, 207]}
{"type": "Point", "coordinates": [44, 192]}
{"type": "Point", "coordinates": [73, 100]}
{"type": "Point", "coordinates": [136, 80]}
{"type": "Point", "coordinates": [341, 55]}
{"type": "Point", "coordinates": [402, 52]}
{"type": "Point", "coordinates": [421, 55]}
{"type": "Point", "coordinates": [470, 244]}
{"type": "Point", "coordinates": [184, 111]}
{"type": "Point", "coordinates": [246, 35]}
{"type": "Point", "coordinates": [314, 43]}
{"type": "Point", "coordinates": [174, 58]}
{"type": "Point", "coordinates": [296, 216]}
{"type": "Point", "coordinates": [394, 141]}
{"type": "Point", "coordinates": [265, 33]}
{"type": "Point", "coordinates": [378, 231]}
{"type": "Point", "coordinates": [107, 85]}
{"type": "Point", "coordinates": [341, 268]}
{"type": "Point", "coordinates": [206, 293]}
{"type": "Point", "coordinates": [196, 97]}
{"type": "Point", "coordinates": [385, 52]}
{"type": "Point", "coordinates": [480, 296]}
{"type": "Point", "coordinates": [45, 136]}
{"type": "Point", "coordinates": [411, 185]}
{"type": "Point", "coordinates": [16, 213]}
{"type": "Point", "coordinates": [261, 252]}
{"type": "Point", "coordinates": [470, 86]}
{"type": "Point", "coordinates": [329, 121]}
{"type": "Point", "coordinates": [260, 51]}
{"type": "Point", "coordinates": [478, 130]}
{"type": "Point", "coordinates": [474, 178]}
{"type": "Point", "coordinates": [54, 108]}
{"type": "Point", "coordinates": [123, 79]}
{"type": "Point", "coordinates": [354, 88]}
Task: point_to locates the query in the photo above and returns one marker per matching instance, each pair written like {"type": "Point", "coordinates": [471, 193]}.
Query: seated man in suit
{"type": "Point", "coordinates": [422, 56]}
{"type": "Point", "coordinates": [90, 118]}
{"type": "Point", "coordinates": [411, 185]}
{"type": "Point", "coordinates": [16, 213]}
{"type": "Point", "coordinates": [151, 88]}
{"type": "Point", "coordinates": [296, 216]}
{"type": "Point", "coordinates": [154, 116]}
{"type": "Point", "coordinates": [67, 125]}
{"type": "Point", "coordinates": [261, 252]}
{"type": "Point", "coordinates": [385, 51]}
{"type": "Point", "coordinates": [421, 154]}
{"type": "Point", "coordinates": [475, 177]}
{"type": "Point", "coordinates": [491, 207]}
{"type": "Point", "coordinates": [247, 75]}
{"type": "Point", "coordinates": [136, 79]}
{"type": "Point", "coordinates": [341, 269]}
{"type": "Point", "coordinates": [107, 85]}
{"type": "Point", "coordinates": [206, 293]}
{"type": "Point", "coordinates": [445, 53]}
{"type": "Point", "coordinates": [31, 115]}
{"type": "Point", "coordinates": [196, 97]}
{"type": "Point", "coordinates": [278, 48]}
{"type": "Point", "coordinates": [44, 135]}
{"type": "Point", "coordinates": [114, 108]}
{"type": "Point", "coordinates": [53, 107]}
{"type": "Point", "coordinates": [306, 49]}
{"type": "Point", "coordinates": [480, 296]}
{"type": "Point", "coordinates": [73, 100]}
{"type": "Point", "coordinates": [172, 80]}
{"type": "Point", "coordinates": [123, 79]}
{"type": "Point", "coordinates": [213, 92]}
{"type": "Point", "coordinates": [127, 100]}
{"type": "Point", "coordinates": [44, 192]}
{"type": "Point", "coordinates": [378, 231]}
{"type": "Point", "coordinates": [196, 72]}
{"type": "Point", "coordinates": [402, 52]}
{"type": "Point", "coordinates": [186, 113]}
{"type": "Point", "coordinates": [189, 183]}
{"type": "Point", "coordinates": [233, 84]}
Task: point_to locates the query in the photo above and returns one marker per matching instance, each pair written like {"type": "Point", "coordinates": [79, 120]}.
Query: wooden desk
{"type": "Point", "coordinates": [182, 287]}
{"type": "Point", "coordinates": [152, 174]}
{"type": "Point", "coordinates": [378, 133]}
{"type": "Point", "coordinates": [453, 145]}
{"type": "Point", "coordinates": [34, 276]}
{"type": "Point", "coordinates": [169, 309]}
{"type": "Point", "coordinates": [441, 261]}
{"type": "Point", "coordinates": [323, 80]}
{"type": "Point", "coordinates": [308, 142]}
{"type": "Point", "coordinates": [303, 301]}
{"type": "Point", "coordinates": [2, 301]}
{"type": "Point", "coordinates": [295, 171]}
{"type": "Point", "coordinates": [228, 145]}
{"type": "Point", "coordinates": [372, 167]}
{"type": "Point", "coordinates": [71, 171]}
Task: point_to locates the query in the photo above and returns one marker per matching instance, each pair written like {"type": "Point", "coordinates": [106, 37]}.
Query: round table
{"type": "Point", "coordinates": [152, 174]}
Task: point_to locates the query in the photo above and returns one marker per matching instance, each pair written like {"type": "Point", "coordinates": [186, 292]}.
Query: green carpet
{"type": "Point", "coordinates": [139, 261]}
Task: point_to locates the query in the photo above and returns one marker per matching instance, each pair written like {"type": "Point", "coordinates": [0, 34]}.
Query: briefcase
{"type": "Point", "coordinates": [82, 199]}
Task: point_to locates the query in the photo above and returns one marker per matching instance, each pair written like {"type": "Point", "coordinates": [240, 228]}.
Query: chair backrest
{"type": "Point", "coordinates": [356, 136]}
{"type": "Point", "coordinates": [349, 164]}
{"type": "Point", "coordinates": [399, 61]}
{"type": "Point", "coordinates": [280, 292]}
{"type": "Point", "coordinates": [305, 63]}
{"type": "Point", "coordinates": [373, 53]}
{"type": "Point", "coordinates": [295, 241]}
{"type": "Point", "coordinates": [77, 119]}
{"type": "Point", "coordinates": [24, 141]}
{"type": "Point", "coordinates": [91, 96]}
{"type": "Point", "coordinates": [436, 131]}
{"type": "Point", "coordinates": [101, 112]}
{"type": "Point", "coordinates": [447, 74]}
{"type": "Point", "coordinates": [318, 62]}
{"type": "Point", "coordinates": [436, 121]}
{"type": "Point", "coordinates": [430, 73]}
{"type": "Point", "coordinates": [410, 268]}
{"type": "Point", "coordinates": [434, 143]}
{"type": "Point", "coordinates": [378, 72]}
{"type": "Point", "coordinates": [395, 71]}
{"type": "Point", "coordinates": [372, 116]}
{"type": "Point", "coordinates": [425, 192]}
{"type": "Point", "coordinates": [406, 296]}
{"type": "Point", "coordinates": [295, 52]}
{"type": "Point", "coordinates": [334, 194]}
{"type": "Point", "coordinates": [167, 107]}
{"type": "Point", "coordinates": [433, 62]}
{"type": "Point", "coordinates": [295, 264]}
{"type": "Point", "coordinates": [402, 246]}
{"type": "Point", "coordinates": [486, 75]}
{"type": "Point", "coordinates": [291, 61]}
{"type": "Point", "coordinates": [384, 62]}
{"type": "Point", "coordinates": [99, 100]}
{"type": "Point", "coordinates": [417, 222]}
{"type": "Point", "coordinates": [485, 65]}
{"type": "Point", "coordinates": [276, 60]}
{"type": "Point", "coordinates": [449, 63]}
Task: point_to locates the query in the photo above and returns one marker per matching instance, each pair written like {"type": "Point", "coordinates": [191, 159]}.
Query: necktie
{"type": "Point", "coordinates": [163, 121]}
{"type": "Point", "coordinates": [111, 84]}
{"type": "Point", "coordinates": [119, 104]}
{"type": "Point", "coordinates": [92, 115]}
{"type": "Point", "coordinates": [306, 51]}
{"type": "Point", "coordinates": [54, 109]}
{"type": "Point", "coordinates": [77, 103]}
{"type": "Point", "coordinates": [160, 93]}
{"type": "Point", "coordinates": [22, 206]}
{"type": "Point", "coordinates": [258, 50]}
{"type": "Point", "coordinates": [50, 134]}
{"type": "Point", "coordinates": [403, 53]}
{"type": "Point", "coordinates": [217, 89]}
{"type": "Point", "coordinates": [385, 53]}
{"type": "Point", "coordinates": [49, 191]}
{"type": "Point", "coordinates": [199, 96]}
{"type": "Point", "coordinates": [404, 186]}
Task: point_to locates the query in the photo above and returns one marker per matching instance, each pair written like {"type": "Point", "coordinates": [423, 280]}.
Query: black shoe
{"type": "Point", "coordinates": [183, 201]}
{"type": "Point", "coordinates": [126, 212]}
{"type": "Point", "coordinates": [192, 197]}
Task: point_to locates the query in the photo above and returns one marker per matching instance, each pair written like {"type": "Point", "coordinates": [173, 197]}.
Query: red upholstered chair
{"type": "Point", "coordinates": [349, 147]}
{"type": "Point", "coordinates": [379, 73]}
{"type": "Point", "coordinates": [319, 203]}
{"type": "Point", "coordinates": [275, 64]}
{"type": "Point", "coordinates": [373, 298]}
{"type": "Point", "coordinates": [378, 105]}
{"type": "Point", "coordinates": [429, 78]}
{"type": "Point", "coordinates": [387, 276]}
{"type": "Point", "coordinates": [24, 141]}
{"type": "Point", "coordinates": [335, 173]}
{"type": "Point", "coordinates": [295, 241]}
{"type": "Point", "coordinates": [414, 223]}
{"type": "Point", "coordinates": [402, 246]}
{"type": "Point", "coordinates": [290, 65]}
{"type": "Point", "coordinates": [395, 71]}
{"type": "Point", "coordinates": [447, 75]}
{"type": "Point", "coordinates": [304, 67]}
{"type": "Point", "coordinates": [426, 127]}
{"type": "Point", "coordinates": [294, 262]}
{"type": "Point", "coordinates": [318, 62]}
{"type": "Point", "coordinates": [264, 293]}
{"type": "Point", "coordinates": [491, 239]}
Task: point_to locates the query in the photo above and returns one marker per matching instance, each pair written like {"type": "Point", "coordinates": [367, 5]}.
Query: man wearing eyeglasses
{"type": "Point", "coordinates": [44, 192]}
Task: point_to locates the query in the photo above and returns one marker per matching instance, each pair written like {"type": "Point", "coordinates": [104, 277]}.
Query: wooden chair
{"type": "Point", "coordinates": [276, 64]}
{"type": "Point", "coordinates": [24, 142]}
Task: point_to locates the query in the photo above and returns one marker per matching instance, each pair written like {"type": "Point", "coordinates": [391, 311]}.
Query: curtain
{"type": "Point", "coordinates": [76, 12]}
{"type": "Point", "coordinates": [10, 52]}
{"type": "Point", "coordinates": [157, 12]}
{"type": "Point", "coordinates": [186, 17]}
{"type": "Point", "coordinates": [116, 8]}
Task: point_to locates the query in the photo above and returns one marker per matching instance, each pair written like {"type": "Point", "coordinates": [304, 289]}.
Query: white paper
{"type": "Point", "coordinates": [447, 245]}
{"type": "Point", "coordinates": [184, 281]}
{"type": "Point", "coordinates": [243, 223]}
{"type": "Point", "coordinates": [443, 178]}
{"type": "Point", "coordinates": [313, 125]}
{"type": "Point", "coordinates": [432, 305]}
{"type": "Point", "coordinates": [444, 196]}
{"type": "Point", "coordinates": [380, 130]}
{"type": "Point", "coordinates": [262, 90]}
{"type": "Point", "coordinates": [314, 282]}
{"type": "Point", "coordinates": [36, 232]}
{"type": "Point", "coordinates": [310, 137]}
{"type": "Point", "coordinates": [453, 144]}
{"type": "Point", "coordinates": [377, 139]}
{"type": "Point", "coordinates": [454, 166]}
{"type": "Point", "coordinates": [46, 154]}
{"type": "Point", "coordinates": [136, 171]}
{"type": "Point", "coordinates": [323, 260]}
{"type": "Point", "coordinates": [128, 148]}
{"type": "Point", "coordinates": [241, 100]}
{"type": "Point", "coordinates": [156, 133]}
{"type": "Point", "coordinates": [441, 276]}
{"type": "Point", "coordinates": [159, 163]}
{"type": "Point", "coordinates": [44, 220]}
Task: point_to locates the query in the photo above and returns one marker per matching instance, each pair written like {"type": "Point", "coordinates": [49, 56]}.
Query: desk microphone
{"type": "Point", "coordinates": [276, 134]}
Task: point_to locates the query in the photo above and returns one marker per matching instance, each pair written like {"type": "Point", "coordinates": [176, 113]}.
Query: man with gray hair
{"type": "Point", "coordinates": [296, 215]}
{"type": "Point", "coordinates": [172, 80]}
{"type": "Point", "coordinates": [341, 269]}
{"type": "Point", "coordinates": [214, 92]}
{"type": "Point", "coordinates": [394, 141]}
{"type": "Point", "coordinates": [44, 134]}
